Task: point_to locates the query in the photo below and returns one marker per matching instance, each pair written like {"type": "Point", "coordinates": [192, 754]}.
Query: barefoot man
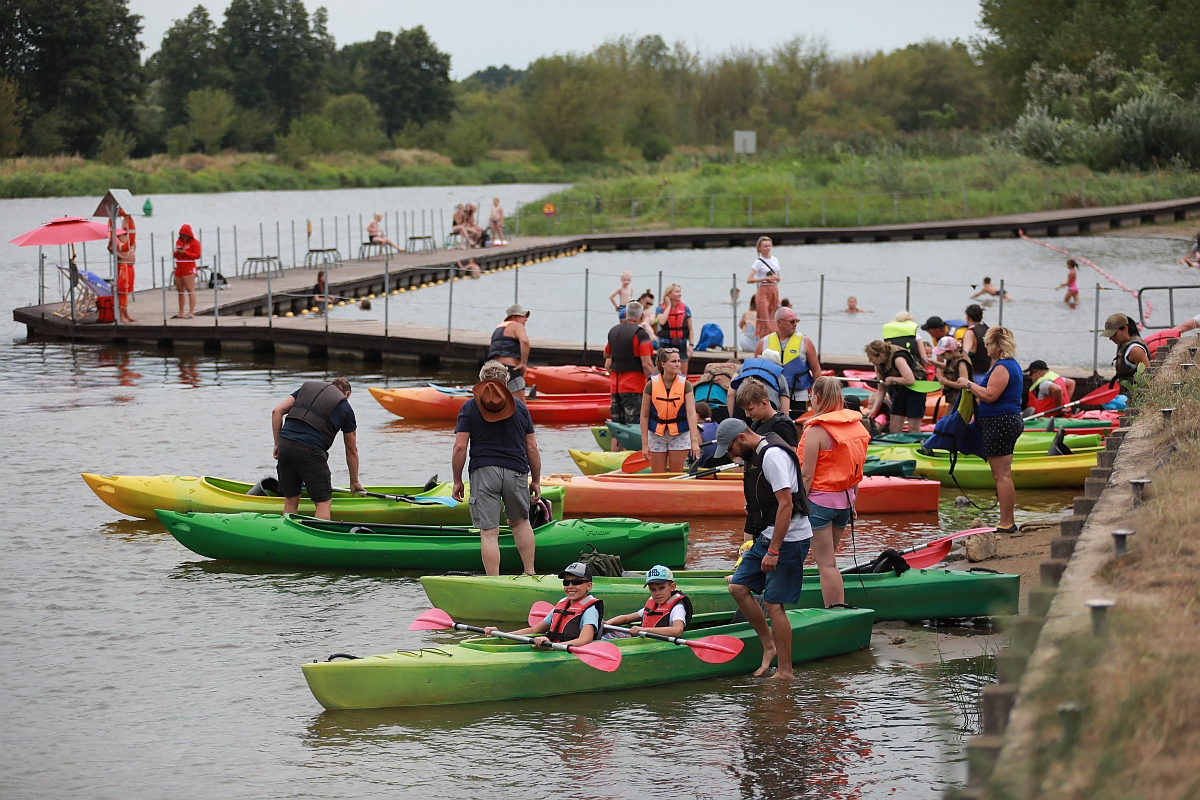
{"type": "Point", "coordinates": [777, 521]}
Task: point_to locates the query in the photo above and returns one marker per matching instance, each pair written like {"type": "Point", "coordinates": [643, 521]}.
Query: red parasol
{"type": "Point", "coordinates": [65, 230]}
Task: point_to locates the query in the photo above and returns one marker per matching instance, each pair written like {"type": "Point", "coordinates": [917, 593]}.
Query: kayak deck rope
{"type": "Point", "coordinates": [420, 653]}
{"type": "Point", "coordinates": [1132, 292]}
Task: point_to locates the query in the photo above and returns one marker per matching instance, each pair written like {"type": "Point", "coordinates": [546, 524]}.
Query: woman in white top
{"type": "Point", "coordinates": [765, 273]}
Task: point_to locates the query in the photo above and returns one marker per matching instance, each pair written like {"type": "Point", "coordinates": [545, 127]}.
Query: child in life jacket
{"type": "Point", "coordinates": [576, 619]}
{"type": "Point", "coordinates": [668, 610]}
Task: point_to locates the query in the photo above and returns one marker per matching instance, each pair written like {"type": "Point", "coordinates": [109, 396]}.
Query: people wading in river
{"type": "Point", "coordinates": [510, 346]}
{"type": "Point", "coordinates": [305, 426]}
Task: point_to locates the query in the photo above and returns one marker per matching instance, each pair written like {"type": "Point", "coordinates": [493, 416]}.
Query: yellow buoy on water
{"type": "Point", "coordinates": [440, 281]}
{"type": "Point", "coordinates": [371, 296]}
{"type": "Point", "coordinates": [397, 291]}
{"type": "Point", "coordinates": [583, 247]}
{"type": "Point", "coordinates": [304, 311]}
{"type": "Point", "coordinates": [341, 302]}
{"type": "Point", "coordinates": [289, 314]}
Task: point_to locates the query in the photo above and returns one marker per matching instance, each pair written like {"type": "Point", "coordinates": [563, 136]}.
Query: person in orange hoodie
{"type": "Point", "coordinates": [187, 253]}
{"type": "Point", "coordinates": [833, 451]}
{"type": "Point", "coordinates": [126, 252]}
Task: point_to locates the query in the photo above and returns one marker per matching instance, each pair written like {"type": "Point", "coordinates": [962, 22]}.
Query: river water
{"type": "Point", "coordinates": [138, 669]}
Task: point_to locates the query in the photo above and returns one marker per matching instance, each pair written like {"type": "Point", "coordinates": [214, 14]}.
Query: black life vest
{"type": "Point", "coordinates": [565, 619]}
{"type": "Point", "coordinates": [504, 346]}
{"type": "Point", "coordinates": [315, 403]}
{"type": "Point", "coordinates": [781, 425]}
{"type": "Point", "coordinates": [1125, 372]}
{"type": "Point", "coordinates": [981, 362]}
{"type": "Point", "coordinates": [898, 353]}
{"type": "Point", "coordinates": [621, 340]}
{"type": "Point", "coordinates": [761, 503]}
{"type": "Point", "coordinates": [656, 616]}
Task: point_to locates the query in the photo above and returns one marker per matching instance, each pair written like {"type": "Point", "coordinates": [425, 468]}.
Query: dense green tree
{"type": "Point", "coordinates": [12, 116]}
{"type": "Point", "coordinates": [188, 59]}
{"type": "Point", "coordinates": [408, 78]}
{"type": "Point", "coordinates": [273, 55]}
{"type": "Point", "coordinates": [495, 78]}
{"type": "Point", "coordinates": [358, 121]}
{"type": "Point", "coordinates": [211, 113]}
{"type": "Point", "coordinates": [78, 60]}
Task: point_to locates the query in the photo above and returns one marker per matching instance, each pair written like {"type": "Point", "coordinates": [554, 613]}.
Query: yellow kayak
{"type": "Point", "coordinates": [599, 462]}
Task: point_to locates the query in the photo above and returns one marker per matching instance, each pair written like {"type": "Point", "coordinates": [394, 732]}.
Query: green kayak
{"type": "Point", "coordinates": [306, 541]}
{"type": "Point", "coordinates": [600, 434]}
{"type": "Point", "coordinates": [479, 670]}
{"type": "Point", "coordinates": [627, 434]}
{"type": "Point", "coordinates": [1030, 470]}
{"type": "Point", "coordinates": [1031, 442]}
{"type": "Point", "coordinates": [915, 595]}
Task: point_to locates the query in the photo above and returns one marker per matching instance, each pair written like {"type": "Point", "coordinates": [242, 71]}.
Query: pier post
{"type": "Point", "coordinates": [734, 303]}
{"type": "Point", "coordinates": [586, 287]}
{"type": "Point", "coordinates": [216, 303]}
{"type": "Point", "coordinates": [660, 286]}
{"type": "Point", "coordinates": [516, 284]}
{"type": "Point", "coordinates": [322, 232]}
{"type": "Point", "coordinates": [820, 315]}
{"type": "Point", "coordinates": [278, 245]}
{"type": "Point", "coordinates": [907, 291]}
{"type": "Point", "coordinates": [270, 304]}
{"type": "Point", "coordinates": [360, 229]}
{"type": "Point", "coordinates": [294, 262]}
{"type": "Point", "coordinates": [42, 276]}
{"type": "Point", "coordinates": [163, 267]}
{"type": "Point", "coordinates": [1000, 314]}
{"type": "Point", "coordinates": [217, 262]}
{"type": "Point", "coordinates": [235, 258]}
{"type": "Point", "coordinates": [1096, 335]}
{"type": "Point", "coordinates": [387, 290]}
{"type": "Point", "coordinates": [336, 243]}
{"type": "Point", "coordinates": [262, 241]}
{"type": "Point", "coordinates": [450, 305]}
{"type": "Point", "coordinates": [153, 274]}
{"type": "Point", "coordinates": [405, 239]}
{"type": "Point", "coordinates": [442, 218]}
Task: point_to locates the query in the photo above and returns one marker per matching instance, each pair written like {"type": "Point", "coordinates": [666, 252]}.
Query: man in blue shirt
{"type": "Point", "coordinates": [305, 426]}
{"type": "Point", "coordinates": [505, 467]}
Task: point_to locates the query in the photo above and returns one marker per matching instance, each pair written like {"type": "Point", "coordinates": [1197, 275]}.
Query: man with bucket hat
{"type": "Point", "coordinates": [510, 347]}
{"type": "Point", "coordinates": [505, 467]}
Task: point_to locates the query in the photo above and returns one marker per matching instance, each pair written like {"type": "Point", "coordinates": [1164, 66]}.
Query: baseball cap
{"type": "Point", "coordinates": [1035, 365]}
{"type": "Point", "coordinates": [946, 344]}
{"type": "Point", "coordinates": [933, 322]}
{"type": "Point", "coordinates": [516, 310]}
{"type": "Point", "coordinates": [727, 431]}
{"type": "Point", "coordinates": [658, 574]}
{"type": "Point", "coordinates": [578, 569]}
{"type": "Point", "coordinates": [1114, 323]}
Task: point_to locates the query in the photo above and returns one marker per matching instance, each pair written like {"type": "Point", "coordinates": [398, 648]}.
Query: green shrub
{"type": "Point", "coordinates": [1154, 128]}
{"type": "Point", "coordinates": [115, 147]}
{"type": "Point", "coordinates": [179, 141]}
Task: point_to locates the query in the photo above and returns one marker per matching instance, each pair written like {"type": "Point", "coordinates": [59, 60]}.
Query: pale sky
{"type": "Point", "coordinates": [478, 34]}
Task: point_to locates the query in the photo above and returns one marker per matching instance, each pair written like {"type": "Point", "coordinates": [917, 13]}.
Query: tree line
{"type": "Point", "coordinates": [1073, 80]}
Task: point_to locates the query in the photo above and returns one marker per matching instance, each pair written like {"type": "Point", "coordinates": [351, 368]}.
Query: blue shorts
{"type": "Point", "coordinates": [782, 584]}
{"type": "Point", "coordinates": [821, 517]}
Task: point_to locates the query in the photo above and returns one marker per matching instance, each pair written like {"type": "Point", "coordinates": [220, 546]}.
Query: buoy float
{"type": "Point", "coordinates": [399, 291]}
{"type": "Point", "coordinates": [289, 314]}
{"type": "Point", "coordinates": [371, 296]}
{"type": "Point", "coordinates": [440, 281]}
{"type": "Point", "coordinates": [341, 302]}
{"type": "Point", "coordinates": [583, 247]}
{"type": "Point", "coordinates": [304, 311]}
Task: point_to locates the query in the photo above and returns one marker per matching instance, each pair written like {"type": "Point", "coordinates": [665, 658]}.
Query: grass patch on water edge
{"type": "Point", "coordinates": [1137, 684]}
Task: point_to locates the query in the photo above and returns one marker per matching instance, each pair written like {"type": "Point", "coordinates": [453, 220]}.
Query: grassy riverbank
{"type": "Point", "coordinates": [69, 176]}
{"type": "Point", "coordinates": [1136, 685]}
{"type": "Point", "coordinates": [837, 190]}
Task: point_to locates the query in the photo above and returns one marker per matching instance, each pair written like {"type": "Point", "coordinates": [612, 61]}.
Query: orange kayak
{"type": "Point", "coordinates": [568, 380]}
{"type": "Point", "coordinates": [431, 403]}
{"type": "Point", "coordinates": [718, 495]}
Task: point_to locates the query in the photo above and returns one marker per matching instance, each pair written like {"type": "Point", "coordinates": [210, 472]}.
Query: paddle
{"type": "Point", "coordinates": [603, 656]}
{"type": "Point", "coordinates": [1096, 397]}
{"type": "Point", "coordinates": [449, 502]}
{"type": "Point", "coordinates": [703, 472]}
{"type": "Point", "coordinates": [932, 552]}
{"type": "Point", "coordinates": [636, 461]}
{"type": "Point", "coordinates": [920, 387]}
{"type": "Point", "coordinates": [710, 649]}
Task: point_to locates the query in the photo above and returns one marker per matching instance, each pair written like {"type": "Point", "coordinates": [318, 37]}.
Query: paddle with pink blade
{"type": "Point", "coordinates": [933, 552]}
{"type": "Point", "coordinates": [710, 649]}
{"type": "Point", "coordinates": [603, 656]}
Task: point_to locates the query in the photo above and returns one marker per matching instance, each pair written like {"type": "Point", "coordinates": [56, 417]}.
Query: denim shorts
{"type": "Point", "coordinates": [782, 584]}
{"type": "Point", "coordinates": [821, 517]}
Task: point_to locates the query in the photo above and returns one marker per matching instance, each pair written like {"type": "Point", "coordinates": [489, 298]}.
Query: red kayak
{"type": "Point", "coordinates": [444, 403]}
{"type": "Point", "coordinates": [568, 380]}
{"type": "Point", "coordinates": [1155, 340]}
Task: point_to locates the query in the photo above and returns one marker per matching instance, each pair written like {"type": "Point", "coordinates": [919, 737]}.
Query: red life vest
{"type": "Point", "coordinates": [565, 619]}
{"type": "Point", "coordinates": [1041, 405]}
{"type": "Point", "coordinates": [674, 329]}
{"type": "Point", "coordinates": [656, 616]}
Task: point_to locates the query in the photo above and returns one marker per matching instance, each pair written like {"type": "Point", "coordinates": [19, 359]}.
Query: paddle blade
{"type": "Point", "coordinates": [1098, 397]}
{"type": "Point", "coordinates": [449, 502]}
{"type": "Point", "coordinates": [539, 611]}
{"type": "Point", "coordinates": [928, 556]}
{"type": "Point", "coordinates": [635, 462]}
{"type": "Point", "coordinates": [432, 620]}
{"type": "Point", "coordinates": [604, 656]}
{"type": "Point", "coordinates": [716, 649]}
{"type": "Point", "coordinates": [925, 387]}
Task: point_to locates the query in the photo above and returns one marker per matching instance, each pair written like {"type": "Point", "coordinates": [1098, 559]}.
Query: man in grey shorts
{"type": "Point", "coordinates": [505, 468]}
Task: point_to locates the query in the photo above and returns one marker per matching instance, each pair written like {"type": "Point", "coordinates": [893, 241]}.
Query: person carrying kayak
{"type": "Point", "coordinates": [1048, 391]}
{"type": "Point", "coordinates": [628, 359]}
{"type": "Point", "coordinates": [833, 452]}
{"type": "Point", "coordinates": [972, 340]}
{"type": "Point", "coordinates": [767, 370]}
{"type": "Point", "coordinates": [754, 402]}
{"type": "Point", "coordinates": [304, 427]}
{"type": "Point", "coordinates": [667, 612]}
{"type": "Point", "coordinates": [798, 355]}
{"type": "Point", "coordinates": [670, 430]}
{"type": "Point", "coordinates": [1133, 356]}
{"type": "Point", "coordinates": [777, 523]}
{"type": "Point", "coordinates": [896, 369]}
{"type": "Point", "coordinates": [577, 619]}
{"type": "Point", "coordinates": [510, 347]}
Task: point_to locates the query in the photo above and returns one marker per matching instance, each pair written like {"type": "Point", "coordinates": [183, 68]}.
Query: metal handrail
{"type": "Point", "coordinates": [1170, 304]}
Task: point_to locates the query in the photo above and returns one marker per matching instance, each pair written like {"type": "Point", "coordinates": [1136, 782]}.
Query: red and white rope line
{"type": "Point", "coordinates": [1082, 260]}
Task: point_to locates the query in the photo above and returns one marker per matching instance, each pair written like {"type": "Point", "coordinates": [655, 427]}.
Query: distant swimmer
{"type": "Point", "coordinates": [989, 290]}
{"type": "Point", "coordinates": [1192, 259]}
{"type": "Point", "coordinates": [852, 306]}
{"type": "Point", "coordinates": [1071, 284]}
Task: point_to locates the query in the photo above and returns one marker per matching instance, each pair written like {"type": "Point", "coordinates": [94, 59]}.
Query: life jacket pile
{"type": "Point", "coordinates": [841, 467]}
{"type": "Point", "coordinates": [659, 616]}
{"type": "Point", "coordinates": [566, 618]}
{"type": "Point", "coordinates": [668, 406]}
{"type": "Point", "coordinates": [1041, 405]}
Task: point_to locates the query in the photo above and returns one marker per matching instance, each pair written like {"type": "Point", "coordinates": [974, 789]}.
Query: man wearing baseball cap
{"type": "Point", "coordinates": [1049, 390]}
{"type": "Point", "coordinates": [667, 612]}
{"type": "Point", "coordinates": [777, 522]}
{"type": "Point", "coordinates": [510, 347]}
{"type": "Point", "coordinates": [936, 327]}
{"type": "Point", "coordinates": [505, 468]}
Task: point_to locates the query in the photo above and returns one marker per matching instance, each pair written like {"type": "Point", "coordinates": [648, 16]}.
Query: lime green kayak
{"type": "Point", "coordinates": [600, 434]}
{"type": "Point", "coordinates": [479, 670]}
{"type": "Point", "coordinates": [1031, 442]}
{"type": "Point", "coordinates": [915, 595]}
{"type": "Point", "coordinates": [1029, 470]}
{"type": "Point", "coordinates": [599, 462]}
{"type": "Point", "coordinates": [305, 541]}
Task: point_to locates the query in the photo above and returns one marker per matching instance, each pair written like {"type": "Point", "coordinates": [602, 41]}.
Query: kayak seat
{"type": "Point", "coordinates": [267, 487]}
{"type": "Point", "coordinates": [430, 484]}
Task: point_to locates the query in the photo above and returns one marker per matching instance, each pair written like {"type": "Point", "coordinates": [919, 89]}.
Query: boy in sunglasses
{"type": "Point", "coordinates": [668, 610]}
{"type": "Point", "coordinates": [576, 619]}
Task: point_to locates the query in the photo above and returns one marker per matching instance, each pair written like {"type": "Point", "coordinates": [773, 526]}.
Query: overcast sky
{"type": "Point", "coordinates": [479, 34]}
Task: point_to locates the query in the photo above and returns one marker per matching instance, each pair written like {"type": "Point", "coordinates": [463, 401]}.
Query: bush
{"type": "Point", "coordinates": [252, 131]}
{"type": "Point", "coordinates": [467, 142]}
{"type": "Point", "coordinates": [1156, 127]}
{"type": "Point", "coordinates": [179, 141]}
{"type": "Point", "coordinates": [115, 147]}
{"type": "Point", "coordinates": [1047, 139]}
{"type": "Point", "coordinates": [211, 113]}
{"type": "Point", "coordinates": [355, 116]}
{"type": "Point", "coordinates": [44, 136]}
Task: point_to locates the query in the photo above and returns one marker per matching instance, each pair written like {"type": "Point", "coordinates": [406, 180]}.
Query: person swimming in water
{"type": "Point", "coordinates": [1071, 284]}
{"type": "Point", "coordinates": [852, 306]}
{"type": "Point", "coordinates": [989, 290]}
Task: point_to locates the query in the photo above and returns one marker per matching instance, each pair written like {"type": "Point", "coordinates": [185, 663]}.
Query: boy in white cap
{"type": "Point", "coordinates": [668, 610]}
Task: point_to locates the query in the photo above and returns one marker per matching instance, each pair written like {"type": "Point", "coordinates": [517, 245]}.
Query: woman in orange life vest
{"type": "Point", "coordinates": [833, 451]}
{"type": "Point", "coordinates": [668, 610]}
{"type": "Point", "coordinates": [577, 619]}
{"type": "Point", "coordinates": [1049, 389]}
{"type": "Point", "coordinates": [670, 430]}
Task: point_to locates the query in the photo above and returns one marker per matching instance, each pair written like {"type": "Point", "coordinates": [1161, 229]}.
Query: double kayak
{"type": "Point", "coordinates": [305, 541]}
{"type": "Point", "coordinates": [1029, 470]}
{"type": "Point", "coordinates": [479, 670]}
{"type": "Point", "coordinates": [718, 495]}
{"type": "Point", "coordinates": [914, 595]}
{"type": "Point", "coordinates": [141, 495]}
{"type": "Point", "coordinates": [599, 462]}
{"type": "Point", "coordinates": [443, 403]}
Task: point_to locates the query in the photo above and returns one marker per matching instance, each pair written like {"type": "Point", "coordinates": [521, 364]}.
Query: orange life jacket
{"type": "Point", "coordinates": [566, 617]}
{"type": "Point", "coordinates": [655, 616]}
{"type": "Point", "coordinates": [840, 467]}
{"type": "Point", "coordinates": [668, 406]}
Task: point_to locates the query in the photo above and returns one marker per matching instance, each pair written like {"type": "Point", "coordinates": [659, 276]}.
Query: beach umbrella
{"type": "Point", "coordinates": [64, 230]}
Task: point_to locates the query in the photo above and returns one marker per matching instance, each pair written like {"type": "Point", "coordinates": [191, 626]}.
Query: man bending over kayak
{"type": "Point", "coordinates": [305, 426]}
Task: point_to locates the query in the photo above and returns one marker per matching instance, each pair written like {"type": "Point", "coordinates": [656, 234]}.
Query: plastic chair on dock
{"type": "Point", "coordinates": [322, 258]}
{"type": "Point", "coordinates": [375, 249]}
{"type": "Point", "coordinates": [425, 244]}
{"type": "Point", "coordinates": [87, 289]}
